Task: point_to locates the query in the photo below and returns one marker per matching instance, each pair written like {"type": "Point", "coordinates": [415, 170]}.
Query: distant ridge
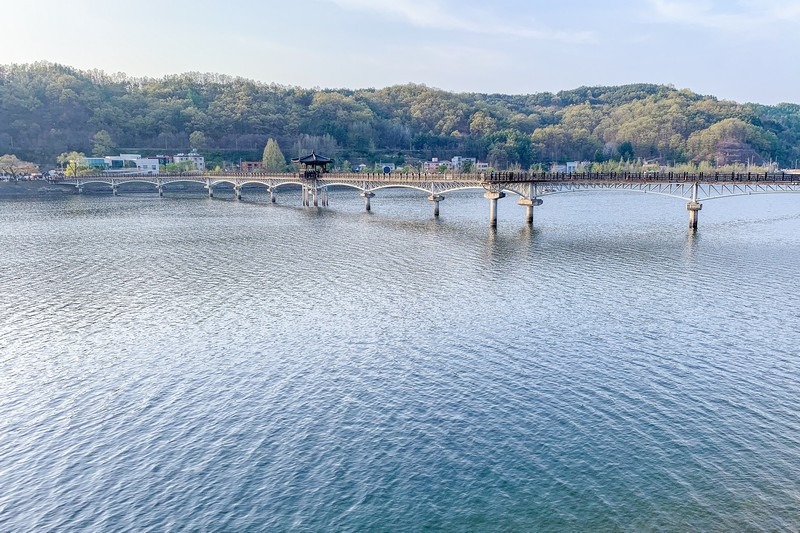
{"type": "Point", "coordinates": [47, 109]}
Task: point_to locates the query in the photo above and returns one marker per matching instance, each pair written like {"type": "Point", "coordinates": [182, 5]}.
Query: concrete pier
{"type": "Point", "coordinates": [114, 190]}
{"type": "Point", "coordinates": [493, 196]}
{"type": "Point", "coordinates": [693, 207]}
{"type": "Point", "coordinates": [160, 190]}
{"type": "Point", "coordinates": [529, 204]}
{"type": "Point", "coordinates": [272, 196]}
{"type": "Point", "coordinates": [435, 198]}
{"type": "Point", "coordinates": [237, 192]}
{"type": "Point", "coordinates": [366, 196]}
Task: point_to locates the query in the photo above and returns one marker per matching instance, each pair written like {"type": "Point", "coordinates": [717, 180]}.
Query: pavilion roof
{"type": "Point", "coordinates": [313, 159]}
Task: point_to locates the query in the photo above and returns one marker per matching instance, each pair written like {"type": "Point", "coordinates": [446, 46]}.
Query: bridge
{"type": "Point", "coordinates": [530, 187]}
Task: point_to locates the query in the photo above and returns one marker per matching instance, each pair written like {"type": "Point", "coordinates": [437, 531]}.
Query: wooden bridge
{"type": "Point", "coordinates": [530, 187]}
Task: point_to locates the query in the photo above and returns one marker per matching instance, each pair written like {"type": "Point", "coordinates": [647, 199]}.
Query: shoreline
{"type": "Point", "coordinates": [11, 189]}
{"type": "Point", "coordinates": [36, 188]}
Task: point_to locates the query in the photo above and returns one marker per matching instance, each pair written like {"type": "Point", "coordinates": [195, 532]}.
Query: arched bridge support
{"type": "Point", "coordinates": [435, 198]}
{"type": "Point", "coordinates": [529, 204]}
{"type": "Point", "coordinates": [694, 208]}
{"type": "Point", "coordinates": [493, 196]}
{"type": "Point", "coordinates": [366, 195]}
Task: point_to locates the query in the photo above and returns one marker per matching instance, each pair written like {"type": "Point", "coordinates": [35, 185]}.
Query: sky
{"type": "Point", "coordinates": [741, 50]}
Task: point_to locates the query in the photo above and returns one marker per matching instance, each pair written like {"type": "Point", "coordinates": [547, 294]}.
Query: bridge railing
{"type": "Point", "coordinates": [485, 177]}
{"type": "Point", "coordinates": [524, 177]}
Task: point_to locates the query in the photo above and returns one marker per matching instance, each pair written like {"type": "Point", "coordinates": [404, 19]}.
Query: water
{"type": "Point", "coordinates": [193, 364]}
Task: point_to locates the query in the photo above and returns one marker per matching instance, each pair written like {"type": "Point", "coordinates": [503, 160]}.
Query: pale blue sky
{"type": "Point", "coordinates": [743, 50]}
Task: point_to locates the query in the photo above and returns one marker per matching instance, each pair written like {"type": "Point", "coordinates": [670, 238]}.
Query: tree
{"type": "Point", "coordinates": [273, 160]}
{"type": "Point", "coordinates": [626, 151]}
{"type": "Point", "coordinates": [73, 163]}
{"type": "Point", "coordinates": [180, 168]}
{"type": "Point", "coordinates": [103, 145]}
{"type": "Point", "coordinates": [197, 140]}
{"type": "Point", "coordinates": [12, 166]}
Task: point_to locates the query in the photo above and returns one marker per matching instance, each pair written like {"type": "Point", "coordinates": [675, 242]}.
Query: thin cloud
{"type": "Point", "coordinates": [433, 15]}
{"type": "Point", "coordinates": [738, 16]}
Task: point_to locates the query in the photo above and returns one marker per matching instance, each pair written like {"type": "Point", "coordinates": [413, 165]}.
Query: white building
{"type": "Point", "coordinates": [198, 160]}
{"type": "Point", "coordinates": [131, 164]}
{"type": "Point", "coordinates": [459, 161]}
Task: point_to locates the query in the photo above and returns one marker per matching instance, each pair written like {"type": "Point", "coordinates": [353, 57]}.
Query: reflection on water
{"type": "Point", "coordinates": [189, 363]}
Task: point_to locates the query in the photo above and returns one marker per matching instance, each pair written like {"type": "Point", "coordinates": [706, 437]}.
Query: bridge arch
{"type": "Point", "coordinates": [344, 184]}
{"type": "Point", "coordinates": [285, 184]}
{"type": "Point", "coordinates": [607, 189]}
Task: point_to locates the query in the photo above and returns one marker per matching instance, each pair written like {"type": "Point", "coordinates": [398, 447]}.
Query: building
{"type": "Point", "coordinates": [250, 166]}
{"type": "Point", "coordinates": [198, 160]}
{"type": "Point", "coordinates": [570, 167]}
{"type": "Point", "coordinates": [131, 164]}
{"type": "Point", "coordinates": [123, 164]}
{"type": "Point", "coordinates": [432, 166]}
{"type": "Point", "coordinates": [163, 160]}
{"type": "Point", "coordinates": [458, 162]}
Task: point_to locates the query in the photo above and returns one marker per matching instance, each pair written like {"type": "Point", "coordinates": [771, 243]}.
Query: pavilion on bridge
{"type": "Point", "coordinates": [314, 165]}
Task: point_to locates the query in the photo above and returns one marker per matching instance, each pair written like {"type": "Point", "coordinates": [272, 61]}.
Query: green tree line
{"type": "Point", "coordinates": [48, 109]}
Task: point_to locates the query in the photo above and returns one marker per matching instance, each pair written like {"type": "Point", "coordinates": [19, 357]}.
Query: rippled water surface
{"type": "Point", "coordinates": [184, 363]}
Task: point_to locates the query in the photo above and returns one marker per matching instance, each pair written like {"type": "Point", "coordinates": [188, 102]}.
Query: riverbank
{"type": "Point", "coordinates": [33, 188]}
{"type": "Point", "coordinates": [18, 189]}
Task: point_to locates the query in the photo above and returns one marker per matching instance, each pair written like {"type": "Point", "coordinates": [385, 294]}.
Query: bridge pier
{"type": "Point", "coordinates": [366, 195]}
{"type": "Point", "coordinates": [693, 207]}
{"type": "Point", "coordinates": [237, 192]}
{"type": "Point", "coordinates": [114, 190]}
{"type": "Point", "coordinates": [529, 204]}
{"type": "Point", "coordinates": [271, 195]}
{"type": "Point", "coordinates": [160, 191]}
{"type": "Point", "coordinates": [493, 196]}
{"type": "Point", "coordinates": [435, 198]}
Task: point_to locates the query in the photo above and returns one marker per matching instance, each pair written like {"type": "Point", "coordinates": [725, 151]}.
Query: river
{"type": "Point", "coordinates": [183, 363]}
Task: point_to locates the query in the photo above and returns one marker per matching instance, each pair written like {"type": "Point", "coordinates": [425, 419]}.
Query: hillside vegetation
{"type": "Point", "coordinates": [47, 109]}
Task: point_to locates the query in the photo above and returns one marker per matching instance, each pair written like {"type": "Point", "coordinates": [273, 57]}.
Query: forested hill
{"type": "Point", "coordinates": [47, 109]}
